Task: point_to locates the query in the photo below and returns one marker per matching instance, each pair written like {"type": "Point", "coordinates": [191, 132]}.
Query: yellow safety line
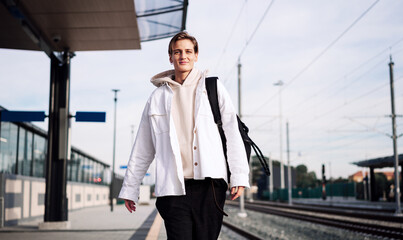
{"type": "Point", "coordinates": [155, 228]}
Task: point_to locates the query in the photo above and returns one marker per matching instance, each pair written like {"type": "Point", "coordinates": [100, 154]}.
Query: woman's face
{"type": "Point", "coordinates": [183, 56]}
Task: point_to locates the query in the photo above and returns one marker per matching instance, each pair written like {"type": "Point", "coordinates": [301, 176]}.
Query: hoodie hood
{"type": "Point", "coordinates": [168, 76]}
{"type": "Point", "coordinates": [164, 77]}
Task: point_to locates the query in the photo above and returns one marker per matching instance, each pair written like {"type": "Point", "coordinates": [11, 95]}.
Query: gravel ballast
{"type": "Point", "coordinates": [275, 227]}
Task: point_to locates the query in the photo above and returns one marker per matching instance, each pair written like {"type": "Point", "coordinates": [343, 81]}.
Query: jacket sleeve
{"type": "Point", "coordinates": [236, 154]}
{"type": "Point", "coordinates": [142, 155]}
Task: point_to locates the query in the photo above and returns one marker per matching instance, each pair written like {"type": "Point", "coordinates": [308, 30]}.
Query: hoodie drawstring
{"type": "Point", "coordinates": [215, 200]}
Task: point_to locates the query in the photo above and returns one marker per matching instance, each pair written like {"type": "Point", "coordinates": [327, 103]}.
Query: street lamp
{"type": "Point", "coordinates": [282, 185]}
{"type": "Point", "coordinates": [114, 146]}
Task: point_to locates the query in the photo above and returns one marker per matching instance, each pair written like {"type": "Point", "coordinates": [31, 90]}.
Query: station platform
{"type": "Point", "coordinates": [97, 223]}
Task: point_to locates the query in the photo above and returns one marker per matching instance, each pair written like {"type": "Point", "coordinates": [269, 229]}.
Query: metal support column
{"type": "Point", "coordinates": [112, 187]}
{"type": "Point", "coordinates": [242, 212]}
{"type": "Point", "coordinates": [394, 137]}
{"type": "Point", "coordinates": [289, 168]}
{"type": "Point", "coordinates": [56, 205]}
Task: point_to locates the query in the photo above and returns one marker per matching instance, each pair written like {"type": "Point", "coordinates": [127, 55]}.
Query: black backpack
{"type": "Point", "coordinates": [211, 86]}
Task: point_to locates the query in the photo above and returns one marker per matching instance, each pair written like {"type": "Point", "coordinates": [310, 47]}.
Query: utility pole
{"type": "Point", "coordinates": [242, 212]}
{"type": "Point", "coordinates": [330, 180]}
{"type": "Point", "coordinates": [289, 168]}
{"type": "Point", "coordinates": [114, 146]}
{"type": "Point", "coordinates": [282, 185]}
{"type": "Point", "coordinates": [270, 178]}
{"type": "Point", "coordinates": [394, 137]}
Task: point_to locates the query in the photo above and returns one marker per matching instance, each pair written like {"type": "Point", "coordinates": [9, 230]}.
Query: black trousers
{"type": "Point", "coordinates": [196, 215]}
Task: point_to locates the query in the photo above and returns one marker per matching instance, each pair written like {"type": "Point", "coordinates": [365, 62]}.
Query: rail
{"type": "Point", "coordinates": [376, 224]}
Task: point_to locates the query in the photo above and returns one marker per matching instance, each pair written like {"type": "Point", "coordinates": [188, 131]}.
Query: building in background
{"type": "Point", "coordinates": [22, 174]}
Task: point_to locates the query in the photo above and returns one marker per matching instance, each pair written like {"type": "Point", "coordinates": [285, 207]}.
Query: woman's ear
{"type": "Point", "coordinates": [196, 56]}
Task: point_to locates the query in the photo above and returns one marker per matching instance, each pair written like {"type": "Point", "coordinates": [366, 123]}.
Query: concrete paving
{"type": "Point", "coordinates": [96, 223]}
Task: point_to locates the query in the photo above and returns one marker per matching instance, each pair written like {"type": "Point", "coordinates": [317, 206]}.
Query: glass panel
{"type": "Point", "coordinates": [21, 149]}
{"type": "Point", "coordinates": [158, 19]}
{"type": "Point", "coordinates": [39, 156]}
{"type": "Point", "coordinates": [92, 169]}
{"type": "Point", "coordinates": [8, 147]}
{"type": "Point", "coordinates": [80, 176]}
{"type": "Point", "coordinates": [97, 177]}
{"type": "Point", "coordinates": [86, 170]}
{"type": "Point", "coordinates": [73, 167]}
{"type": "Point", "coordinates": [27, 161]}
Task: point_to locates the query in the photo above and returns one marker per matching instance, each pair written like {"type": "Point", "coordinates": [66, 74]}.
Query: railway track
{"type": "Point", "coordinates": [240, 231]}
{"type": "Point", "coordinates": [368, 222]}
{"type": "Point", "coordinates": [346, 211]}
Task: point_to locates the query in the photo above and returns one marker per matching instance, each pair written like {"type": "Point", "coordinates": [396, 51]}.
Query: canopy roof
{"type": "Point", "coordinates": [84, 25]}
{"type": "Point", "coordinates": [380, 162]}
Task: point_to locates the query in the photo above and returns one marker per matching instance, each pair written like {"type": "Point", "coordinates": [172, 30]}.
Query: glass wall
{"type": "Point", "coordinates": [8, 147]}
{"type": "Point", "coordinates": [23, 150]}
{"type": "Point", "coordinates": [40, 151]}
{"type": "Point", "coordinates": [22, 136]}
{"type": "Point", "coordinates": [74, 166]}
{"type": "Point", "coordinates": [80, 170]}
{"type": "Point", "coordinates": [27, 163]}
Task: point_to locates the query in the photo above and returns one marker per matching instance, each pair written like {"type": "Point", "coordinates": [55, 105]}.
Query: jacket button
{"type": "Point", "coordinates": [196, 164]}
{"type": "Point", "coordinates": [195, 131]}
{"type": "Point", "coordinates": [194, 147]}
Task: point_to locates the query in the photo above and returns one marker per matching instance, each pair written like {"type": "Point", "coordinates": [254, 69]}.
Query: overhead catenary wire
{"type": "Point", "coordinates": [322, 90]}
{"type": "Point", "coordinates": [378, 87]}
{"type": "Point", "coordinates": [361, 109]}
{"type": "Point", "coordinates": [361, 77]}
{"type": "Point", "coordinates": [230, 36]}
{"type": "Point", "coordinates": [315, 59]}
{"type": "Point", "coordinates": [256, 28]}
{"type": "Point", "coordinates": [252, 35]}
{"type": "Point", "coordinates": [337, 90]}
{"type": "Point", "coordinates": [330, 45]}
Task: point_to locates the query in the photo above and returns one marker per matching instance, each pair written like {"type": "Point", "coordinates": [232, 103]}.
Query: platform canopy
{"type": "Point", "coordinates": [85, 25]}
{"type": "Point", "coordinates": [380, 162]}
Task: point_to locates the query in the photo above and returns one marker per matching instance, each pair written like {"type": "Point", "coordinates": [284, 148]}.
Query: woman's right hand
{"type": "Point", "coordinates": [130, 205]}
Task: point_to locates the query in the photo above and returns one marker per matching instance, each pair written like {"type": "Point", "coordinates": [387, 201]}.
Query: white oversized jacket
{"type": "Point", "coordinates": [157, 140]}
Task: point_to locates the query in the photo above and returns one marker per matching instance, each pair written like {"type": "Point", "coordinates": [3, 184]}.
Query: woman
{"type": "Point", "coordinates": [178, 131]}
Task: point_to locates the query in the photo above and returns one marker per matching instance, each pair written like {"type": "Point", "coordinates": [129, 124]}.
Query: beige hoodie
{"type": "Point", "coordinates": [182, 111]}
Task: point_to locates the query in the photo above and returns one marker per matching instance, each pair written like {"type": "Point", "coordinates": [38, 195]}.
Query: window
{"type": "Point", "coordinates": [39, 156]}
{"type": "Point", "coordinates": [73, 168]}
{"type": "Point", "coordinates": [21, 149]}
{"type": "Point", "coordinates": [27, 154]}
{"type": "Point", "coordinates": [86, 168]}
{"type": "Point", "coordinates": [8, 147]}
{"type": "Point", "coordinates": [97, 176]}
{"type": "Point", "coordinates": [80, 170]}
{"type": "Point", "coordinates": [91, 169]}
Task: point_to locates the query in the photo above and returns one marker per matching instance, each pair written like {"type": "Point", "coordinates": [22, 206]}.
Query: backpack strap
{"type": "Point", "coordinates": [211, 87]}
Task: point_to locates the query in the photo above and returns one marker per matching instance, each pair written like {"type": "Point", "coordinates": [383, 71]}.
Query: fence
{"type": "Point", "coordinates": [332, 190]}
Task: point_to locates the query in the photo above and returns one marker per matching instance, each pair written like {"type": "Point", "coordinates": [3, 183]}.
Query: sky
{"type": "Point", "coordinates": [332, 57]}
